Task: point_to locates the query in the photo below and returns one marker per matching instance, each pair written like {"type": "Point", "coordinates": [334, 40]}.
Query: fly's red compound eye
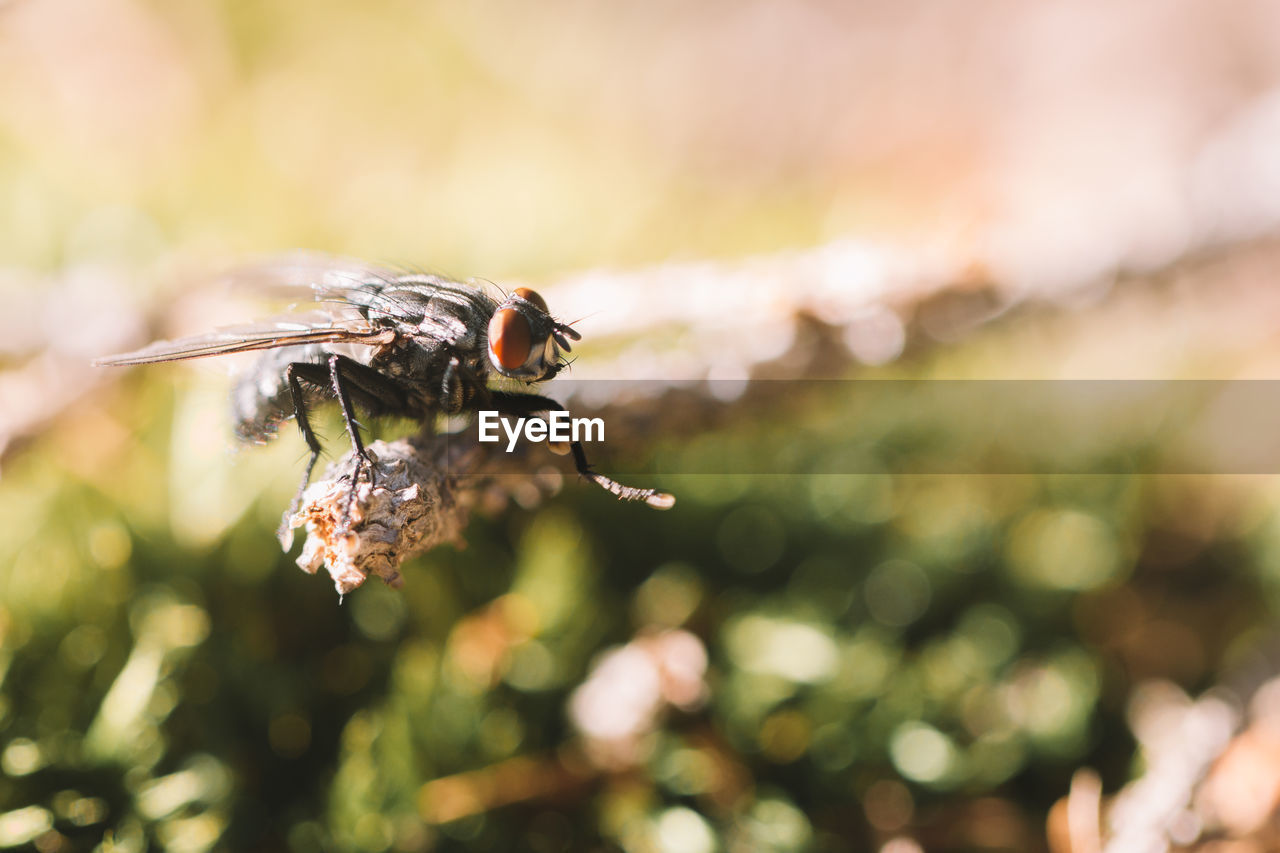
{"type": "Point", "coordinates": [533, 296]}
{"type": "Point", "coordinates": [510, 338]}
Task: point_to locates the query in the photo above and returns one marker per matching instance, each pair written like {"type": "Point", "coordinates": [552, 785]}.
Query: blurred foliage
{"type": "Point", "coordinates": [921, 654]}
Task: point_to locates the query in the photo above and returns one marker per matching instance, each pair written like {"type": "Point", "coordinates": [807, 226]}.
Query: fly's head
{"type": "Point", "coordinates": [524, 341]}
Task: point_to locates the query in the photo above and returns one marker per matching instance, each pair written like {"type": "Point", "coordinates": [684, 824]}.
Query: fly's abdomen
{"type": "Point", "coordinates": [261, 398]}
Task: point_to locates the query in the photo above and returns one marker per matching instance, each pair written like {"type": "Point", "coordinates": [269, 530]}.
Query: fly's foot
{"type": "Point", "coordinates": [653, 497]}
{"type": "Point", "coordinates": [366, 468]}
{"type": "Point", "coordinates": [659, 499]}
{"type": "Point", "coordinates": [367, 465]}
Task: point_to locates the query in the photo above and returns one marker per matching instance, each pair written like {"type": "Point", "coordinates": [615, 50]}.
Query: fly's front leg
{"type": "Point", "coordinates": [451, 388]}
{"type": "Point", "coordinates": [520, 405]}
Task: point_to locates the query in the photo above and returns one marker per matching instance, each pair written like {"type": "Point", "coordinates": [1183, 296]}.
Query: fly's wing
{"type": "Point", "coordinates": [345, 286]}
{"type": "Point", "coordinates": [304, 271]}
{"type": "Point", "coordinates": [249, 338]}
{"type": "Point", "coordinates": [350, 292]}
{"type": "Point", "coordinates": [331, 281]}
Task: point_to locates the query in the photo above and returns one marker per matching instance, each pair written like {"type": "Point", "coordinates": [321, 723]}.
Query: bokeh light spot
{"type": "Point", "coordinates": [867, 661]}
{"type": "Point", "coordinates": [193, 834]}
{"type": "Point", "coordinates": [203, 779]}
{"type": "Point", "coordinates": [79, 810]}
{"type": "Point", "coordinates": [863, 499]}
{"type": "Point", "coordinates": [555, 568]}
{"type": "Point", "coordinates": [532, 666]}
{"type": "Point", "coordinates": [83, 646]}
{"type": "Point", "coordinates": [949, 665]}
{"type": "Point", "coordinates": [897, 593]}
{"type": "Point", "coordinates": [888, 805]}
{"type": "Point", "coordinates": [785, 735]}
{"type": "Point", "coordinates": [992, 630]}
{"type": "Point", "coordinates": [688, 771]}
{"type": "Point", "coordinates": [948, 522]}
{"type": "Point", "coordinates": [373, 832]}
{"type": "Point", "coordinates": [110, 545]}
{"type": "Point", "coordinates": [776, 824]}
{"type": "Point", "coordinates": [1064, 549]}
{"type": "Point", "coordinates": [21, 757]}
{"type": "Point", "coordinates": [902, 844]}
{"type": "Point", "coordinates": [1052, 701]}
{"type": "Point", "coordinates": [682, 830]}
{"type": "Point", "coordinates": [23, 825]}
{"type": "Point", "coordinates": [501, 732]}
{"type": "Point", "coordinates": [922, 753]}
{"type": "Point", "coordinates": [379, 612]}
{"type": "Point", "coordinates": [669, 596]}
{"type": "Point", "coordinates": [793, 650]}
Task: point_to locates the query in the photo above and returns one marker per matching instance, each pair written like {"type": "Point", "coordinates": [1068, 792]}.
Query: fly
{"type": "Point", "coordinates": [412, 345]}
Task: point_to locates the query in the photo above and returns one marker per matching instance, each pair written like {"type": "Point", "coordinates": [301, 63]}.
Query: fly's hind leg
{"type": "Point", "coordinates": [337, 365]}
{"type": "Point", "coordinates": [520, 405]}
{"type": "Point", "coordinates": [299, 398]}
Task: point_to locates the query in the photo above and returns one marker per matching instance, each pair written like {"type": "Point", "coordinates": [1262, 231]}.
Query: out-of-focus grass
{"type": "Point", "coordinates": [885, 652]}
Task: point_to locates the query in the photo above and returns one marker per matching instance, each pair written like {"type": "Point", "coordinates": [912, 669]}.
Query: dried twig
{"type": "Point", "coordinates": [412, 505]}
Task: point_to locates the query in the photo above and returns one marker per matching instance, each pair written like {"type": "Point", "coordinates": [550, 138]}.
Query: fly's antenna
{"type": "Point", "coordinates": [563, 334]}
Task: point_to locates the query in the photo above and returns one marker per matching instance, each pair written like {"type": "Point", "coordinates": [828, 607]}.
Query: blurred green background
{"type": "Point", "coordinates": [808, 662]}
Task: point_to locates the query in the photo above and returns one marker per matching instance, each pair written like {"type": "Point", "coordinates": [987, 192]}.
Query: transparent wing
{"type": "Point", "coordinates": [249, 338]}
{"type": "Point", "coordinates": [329, 279]}
{"type": "Point", "coordinates": [346, 292]}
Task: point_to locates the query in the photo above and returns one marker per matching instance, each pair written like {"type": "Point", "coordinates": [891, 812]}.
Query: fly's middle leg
{"type": "Point", "coordinates": [363, 462]}
{"type": "Point", "coordinates": [336, 365]}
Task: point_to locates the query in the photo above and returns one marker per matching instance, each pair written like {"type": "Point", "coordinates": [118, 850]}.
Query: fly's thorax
{"type": "Point", "coordinates": [434, 316]}
{"type": "Point", "coordinates": [434, 308]}
{"type": "Point", "coordinates": [523, 341]}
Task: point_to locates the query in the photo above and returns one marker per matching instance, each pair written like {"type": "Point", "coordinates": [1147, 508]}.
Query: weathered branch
{"type": "Point", "coordinates": [422, 493]}
{"type": "Point", "coordinates": [412, 504]}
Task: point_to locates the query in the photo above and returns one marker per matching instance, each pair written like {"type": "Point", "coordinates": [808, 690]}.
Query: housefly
{"type": "Point", "coordinates": [387, 343]}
